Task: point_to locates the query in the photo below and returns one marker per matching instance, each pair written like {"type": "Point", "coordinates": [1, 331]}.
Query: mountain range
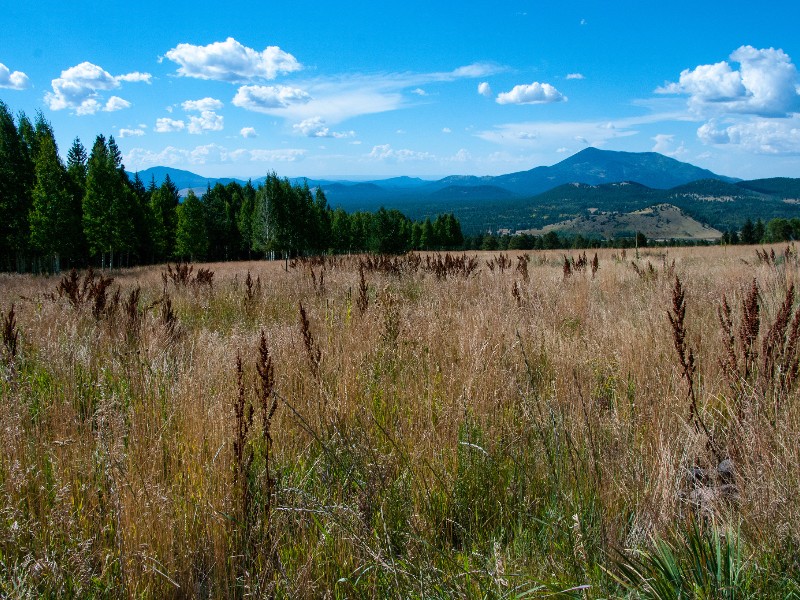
{"type": "Point", "coordinates": [600, 180]}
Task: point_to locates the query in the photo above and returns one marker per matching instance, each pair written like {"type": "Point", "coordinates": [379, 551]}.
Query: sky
{"type": "Point", "coordinates": [368, 90]}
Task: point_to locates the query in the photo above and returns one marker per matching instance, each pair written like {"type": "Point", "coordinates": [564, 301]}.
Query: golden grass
{"type": "Point", "coordinates": [445, 427]}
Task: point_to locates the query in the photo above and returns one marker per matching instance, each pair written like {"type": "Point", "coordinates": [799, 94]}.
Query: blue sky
{"type": "Point", "coordinates": [370, 90]}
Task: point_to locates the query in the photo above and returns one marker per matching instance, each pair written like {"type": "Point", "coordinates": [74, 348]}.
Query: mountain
{"type": "Point", "coordinates": [182, 179]}
{"type": "Point", "coordinates": [607, 181]}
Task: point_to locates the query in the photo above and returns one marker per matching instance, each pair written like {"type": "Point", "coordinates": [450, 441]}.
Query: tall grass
{"type": "Point", "coordinates": [472, 430]}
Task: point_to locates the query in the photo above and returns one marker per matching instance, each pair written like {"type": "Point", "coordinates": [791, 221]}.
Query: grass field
{"type": "Point", "coordinates": [405, 428]}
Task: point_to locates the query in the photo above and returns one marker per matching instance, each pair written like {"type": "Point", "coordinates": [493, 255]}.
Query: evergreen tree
{"type": "Point", "coordinates": [163, 205]}
{"type": "Point", "coordinates": [219, 226]}
{"type": "Point", "coordinates": [142, 219]}
{"type": "Point", "coordinates": [748, 232]}
{"type": "Point", "coordinates": [323, 214]}
{"type": "Point", "coordinates": [341, 236]}
{"type": "Point", "coordinates": [191, 236]}
{"type": "Point", "coordinates": [427, 238]}
{"type": "Point", "coordinates": [16, 185]}
{"type": "Point", "coordinates": [76, 185]}
{"type": "Point", "coordinates": [122, 205]}
{"type": "Point", "coordinates": [51, 205]}
{"type": "Point", "coordinates": [97, 202]}
{"type": "Point", "coordinates": [245, 218]}
{"type": "Point", "coordinates": [759, 230]}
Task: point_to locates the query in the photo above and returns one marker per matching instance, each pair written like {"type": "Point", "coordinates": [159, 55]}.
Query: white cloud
{"type": "Point", "coordinates": [562, 150]}
{"type": "Point", "coordinates": [477, 70]}
{"type": "Point", "coordinates": [575, 76]}
{"type": "Point", "coordinates": [14, 80]}
{"type": "Point", "coordinates": [166, 125]}
{"type": "Point", "coordinates": [116, 103]}
{"type": "Point", "coordinates": [135, 77]}
{"type": "Point", "coordinates": [419, 92]}
{"type": "Point", "coordinates": [447, 130]}
{"type": "Point", "coordinates": [336, 99]}
{"type": "Point", "coordinates": [665, 144]}
{"type": "Point", "coordinates": [201, 105]}
{"type": "Point", "coordinates": [315, 127]}
{"type": "Point", "coordinates": [462, 155]}
{"type": "Point", "coordinates": [282, 155]}
{"type": "Point", "coordinates": [757, 134]}
{"type": "Point", "coordinates": [123, 133]}
{"type": "Point", "coordinates": [231, 61]}
{"type": "Point", "coordinates": [766, 84]}
{"type": "Point", "coordinates": [79, 88]}
{"type": "Point", "coordinates": [207, 121]}
{"type": "Point", "coordinates": [261, 98]}
{"type": "Point", "coordinates": [535, 93]}
{"type": "Point", "coordinates": [548, 135]}
{"type": "Point", "coordinates": [248, 132]}
{"type": "Point", "coordinates": [141, 158]}
{"type": "Point", "coordinates": [484, 89]}
{"type": "Point", "coordinates": [385, 152]}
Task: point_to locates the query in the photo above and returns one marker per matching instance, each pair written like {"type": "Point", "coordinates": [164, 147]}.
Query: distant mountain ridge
{"type": "Point", "coordinates": [603, 180]}
{"type": "Point", "coordinates": [590, 166]}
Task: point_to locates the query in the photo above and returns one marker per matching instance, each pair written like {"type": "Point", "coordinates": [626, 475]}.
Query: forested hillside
{"type": "Point", "coordinates": [89, 211]}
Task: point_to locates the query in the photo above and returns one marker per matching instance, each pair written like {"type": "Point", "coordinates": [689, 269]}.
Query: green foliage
{"type": "Point", "coordinates": [191, 240]}
{"type": "Point", "coordinates": [16, 184]}
{"type": "Point", "coordinates": [51, 208]}
{"type": "Point", "coordinates": [700, 561]}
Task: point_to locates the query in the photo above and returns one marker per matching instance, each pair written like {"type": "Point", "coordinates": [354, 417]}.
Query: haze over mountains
{"type": "Point", "coordinates": [583, 184]}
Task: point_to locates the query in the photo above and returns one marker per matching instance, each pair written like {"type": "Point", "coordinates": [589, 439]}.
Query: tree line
{"type": "Point", "coordinates": [88, 211]}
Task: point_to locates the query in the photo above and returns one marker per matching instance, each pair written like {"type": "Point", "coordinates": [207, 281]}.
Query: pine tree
{"type": "Point", "coordinates": [163, 205]}
{"type": "Point", "coordinates": [142, 219]}
{"type": "Point", "coordinates": [16, 185]}
{"type": "Point", "coordinates": [245, 218]}
{"type": "Point", "coordinates": [191, 239]}
{"type": "Point", "coordinates": [75, 251]}
{"type": "Point", "coordinates": [748, 232]}
{"type": "Point", "coordinates": [51, 202]}
{"type": "Point", "coordinates": [97, 201]}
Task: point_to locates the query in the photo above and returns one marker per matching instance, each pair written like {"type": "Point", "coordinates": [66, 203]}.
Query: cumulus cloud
{"type": "Point", "coordinates": [665, 144]}
{"type": "Point", "coordinates": [446, 130]}
{"type": "Point", "coordinates": [135, 77]}
{"type": "Point", "coordinates": [315, 127]}
{"type": "Point", "coordinates": [116, 103]}
{"type": "Point", "coordinates": [419, 92]}
{"type": "Point", "coordinates": [207, 121]}
{"type": "Point", "coordinates": [575, 76]}
{"type": "Point", "coordinates": [484, 89]}
{"type": "Point", "coordinates": [142, 158]}
{"type": "Point", "coordinates": [281, 155]}
{"type": "Point", "coordinates": [462, 155]}
{"type": "Point", "coordinates": [535, 93]}
{"type": "Point", "coordinates": [201, 105]}
{"type": "Point", "coordinates": [166, 125]}
{"type": "Point", "coordinates": [766, 84]}
{"type": "Point", "coordinates": [262, 98]}
{"type": "Point", "coordinates": [231, 61]}
{"type": "Point", "coordinates": [14, 80]}
{"type": "Point", "coordinates": [123, 133]}
{"type": "Point", "coordinates": [79, 89]}
{"type": "Point", "coordinates": [248, 132]}
{"type": "Point", "coordinates": [387, 153]}
{"type": "Point", "coordinates": [758, 135]}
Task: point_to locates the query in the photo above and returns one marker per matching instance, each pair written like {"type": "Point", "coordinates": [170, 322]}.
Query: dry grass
{"type": "Point", "coordinates": [427, 427]}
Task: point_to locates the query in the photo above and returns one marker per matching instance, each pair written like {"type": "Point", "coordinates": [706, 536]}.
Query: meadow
{"type": "Point", "coordinates": [486, 425]}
